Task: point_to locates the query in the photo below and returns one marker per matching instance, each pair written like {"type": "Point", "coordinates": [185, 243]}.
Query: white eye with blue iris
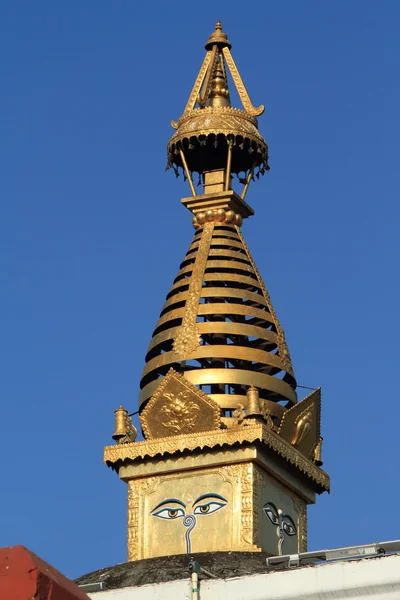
{"type": "Point", "coordinates": [208, 508]}
{"type": "Point", "coordinates": [169, 512]}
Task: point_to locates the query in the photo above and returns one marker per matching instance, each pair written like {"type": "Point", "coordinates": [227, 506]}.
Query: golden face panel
{"type": "Point", "coordinates": [232, 507]}
{"type": "Point", "coordinates": [191, 512]}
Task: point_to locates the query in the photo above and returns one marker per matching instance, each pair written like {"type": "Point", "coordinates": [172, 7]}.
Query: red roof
{"type": "Point", "coordinates": [25, 576]}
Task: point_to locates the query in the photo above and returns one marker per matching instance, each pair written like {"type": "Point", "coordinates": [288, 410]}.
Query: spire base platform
{"type": "Point", "coordinates": [226, 200]}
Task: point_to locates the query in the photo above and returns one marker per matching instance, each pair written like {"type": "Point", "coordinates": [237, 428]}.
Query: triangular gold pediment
{"type": "Point", "coordinates": [178, 407]}
{"type": "Point", "coordinates": [301, 424]}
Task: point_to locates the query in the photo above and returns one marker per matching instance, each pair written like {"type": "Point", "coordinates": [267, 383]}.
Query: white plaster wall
{"type": "Point", "coordinates": [377, 578]}
{"type": "Point", "coordinates": [172, 590]}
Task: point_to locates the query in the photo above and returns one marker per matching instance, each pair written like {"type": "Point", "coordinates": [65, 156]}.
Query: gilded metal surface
{"type": "Point", "coordinates": [215, 123]}
{"type": "Point", "coordinates": [253, 401]}
{"type": "Point", "coordinates": [302, 423]}
{"type": "Point", "coordinates": [218, 48]}
{"type": "Point", "coordinates": [259, 453]}
{"type": "Point", "coordinates": [188, 336]}
{"type": "Point", "coordinates": [218, 37]}
{"type": "Point", "coordinates": [191, 103]}
{"type": "Point", "coordinates": [267, 412]}
{"type": "Point", "coordinates": [239, 415]}
{"type": "Point", "coordinates": [178, 407]}
{"type": "Point", "coordinates": [219, 215]}
{"type": "Point", "coordinates": [239, 377]}
{"type": "Point", "coordinates": [223, 351]}
{"type": "Point", "coordinates": [219, 316]}
{"type": "Point", "coordinates": [301, 509]}
{"type": "Point", "coordinates": [225, 120]}
{"type": "Point", "coordinates": [227, 200]}
{"type": "Point", "coordinates": [204, 93]}
{"type": "Point", "coordinates": [187, 172]}
{"type": "Point", "coordinates": [124, 431]}
{"type": "Point", "coordinates": [249, 510]}
{"type": "Point", "coordinates": [282, 345]}
{"type": "Point", "coordinates": [219, 293]}
{"type": "Point", "coordinates": [218, 378]}
{"type": "Point", "coordinates": [181, 443]}
{"type": "Point", "coordinates": [253, 432]}
{"type": "Point", "coordinates": [241, 89]}
{"type": "Point", "coordinates": [136, 490]}
{"type": "Point", "coordinates": [219, 327]}
{"type": "Point", "coordinates": [248, 181]}
{"type": "Point", "coordinates": [235, 399]}
{"type": "Point", "coordinates": [318, 453]}
{"type": "Point", "coordinates": [176, 513]}
{"type": "Point", "coordinates": [222, 242]}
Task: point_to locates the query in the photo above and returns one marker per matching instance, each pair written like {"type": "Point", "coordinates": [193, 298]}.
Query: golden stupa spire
{"type": "Point", "coordinates": [218, 403]}
{"type": "Point", "coordinates": [218, 325]}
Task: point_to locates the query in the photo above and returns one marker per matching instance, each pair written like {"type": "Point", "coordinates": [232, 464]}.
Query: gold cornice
{"type": "Point", "coordinates": [218, 112]}
{"type": "Point", "coordinates": [252, 433]}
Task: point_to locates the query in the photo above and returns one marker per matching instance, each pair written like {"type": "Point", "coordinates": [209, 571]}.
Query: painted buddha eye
{"type": "Point", "coordinates": [288, 526]}
{"type": "Point", "coordinates": [272, 513]}
{"type": "Point", "coordinates": [169, 512]}
{"type": "Point", "coordinates": [207, 509]}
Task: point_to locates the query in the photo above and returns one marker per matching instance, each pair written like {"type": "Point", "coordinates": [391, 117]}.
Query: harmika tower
{"type": "Point", "coordinates": [230, 458]}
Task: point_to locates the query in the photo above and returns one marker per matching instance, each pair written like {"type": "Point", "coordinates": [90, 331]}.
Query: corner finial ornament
{"type": "Point", "coordinates": [318, 453]}
{"type": "Point", "coordinates": [253, 401]}
{"type": "Point", "coordinates": [125, 431]}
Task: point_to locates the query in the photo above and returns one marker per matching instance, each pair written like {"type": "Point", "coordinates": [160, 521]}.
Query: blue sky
{"type": "Point", "coordinates": [92, 233]}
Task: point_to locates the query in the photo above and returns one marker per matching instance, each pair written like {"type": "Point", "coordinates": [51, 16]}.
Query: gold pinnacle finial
{"type": "Point", "coordinates": [211, 134]}
{"type": "Point", "coordinates": [218, 37]}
